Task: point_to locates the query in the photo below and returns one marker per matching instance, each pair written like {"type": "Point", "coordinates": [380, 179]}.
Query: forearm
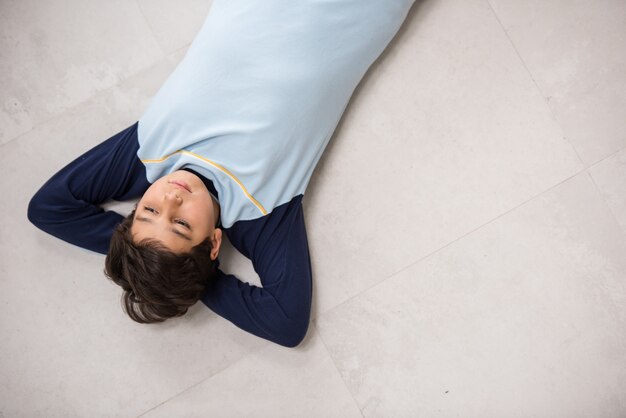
{"type": "Point", "coordinates": [278, 247]}
{"type": "Point", "coordinates": [87, 226]}
{"type": "Point", "coordinates": [67, 205]}
{"type": "Point", "coordinates": [253, 309]}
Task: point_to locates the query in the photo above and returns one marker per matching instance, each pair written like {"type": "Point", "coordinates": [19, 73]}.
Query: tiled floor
{"type": "Point", "coordinates": [467, 225]}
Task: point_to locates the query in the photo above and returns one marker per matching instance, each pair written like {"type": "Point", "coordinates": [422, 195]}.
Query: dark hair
{"type": "Point", "coordinates": [158, 283]}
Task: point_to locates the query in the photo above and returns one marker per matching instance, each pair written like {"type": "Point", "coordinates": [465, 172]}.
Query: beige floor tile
{"type": "Point", "coordinates": [524, 317]}
{"type": "Point", "coordinates": [610, 177]}
{"type": "Point", "coordinates": [56, 54]}
{"type": "Point", "coordinates": [273, 382]}
{"type": "Point", "coordinates": [446, 134]}
{"type": "Point", "coordinates": [574, 51]}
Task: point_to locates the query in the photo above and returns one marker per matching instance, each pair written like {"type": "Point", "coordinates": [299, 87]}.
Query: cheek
{"type": "Point", "coordinates": [202, 213]}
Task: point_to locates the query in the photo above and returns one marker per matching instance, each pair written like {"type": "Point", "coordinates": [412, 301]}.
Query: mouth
{"type": "Point", "coordinates": [181, 185]}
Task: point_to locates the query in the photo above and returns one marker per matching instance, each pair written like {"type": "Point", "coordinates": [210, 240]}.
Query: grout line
{"type": "Point", "coordinates": [451, 242]}
{"type": "Point", "coordinates": [243, 357]}
{"type": "Point", "coordinates": [595, 185]}
{"type": "Point", "coordinates": [51, 117]}
{"type": "Point", "coordinates": [587, 167]}
{"type": "Point", "coordinates": [543, 96]}
{"type": "Point", "coordinates": [603, 199]}
{"type": "Point", "coordinates": [174, 52]}
{"type": "Point", "coordinates": [319, 334]}
{"type": "Point", "coordinates": [65, 111]}
{"type": "Point", "coordinates": [150, 28]}
{"type": "Point", "coordinates": [595, 163]}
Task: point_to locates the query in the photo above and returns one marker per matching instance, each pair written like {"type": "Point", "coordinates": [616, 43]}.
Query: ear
{"type": "Point", "coordinates": [216, 242]}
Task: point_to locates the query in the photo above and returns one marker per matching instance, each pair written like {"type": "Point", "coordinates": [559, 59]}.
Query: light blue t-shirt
{"type": "Point", "coordinates": [255, 100]}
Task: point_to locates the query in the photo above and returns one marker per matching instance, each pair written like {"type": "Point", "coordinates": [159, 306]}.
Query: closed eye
{"type": "Point", "coordinates": [178, 221]}
{"type": "Point", "coordinates": [173, 230]}
{"type": "Point", "coordinates": [183, 223]}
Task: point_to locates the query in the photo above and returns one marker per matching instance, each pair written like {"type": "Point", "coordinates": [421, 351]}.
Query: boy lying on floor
{"type": "Point", "coordinates": [228, 143]}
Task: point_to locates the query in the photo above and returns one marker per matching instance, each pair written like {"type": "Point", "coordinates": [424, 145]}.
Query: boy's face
{"type": "Point", "coordinates": [178, 210]}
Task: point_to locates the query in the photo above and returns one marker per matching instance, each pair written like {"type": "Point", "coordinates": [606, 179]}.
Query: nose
{"type": "Point", "coordinates": [172, 196]}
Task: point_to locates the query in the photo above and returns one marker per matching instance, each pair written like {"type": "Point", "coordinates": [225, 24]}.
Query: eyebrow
{"type": "Point", "coordinates": [180, 234]}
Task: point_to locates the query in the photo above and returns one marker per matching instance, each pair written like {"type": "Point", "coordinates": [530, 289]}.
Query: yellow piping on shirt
{"type": "Point", "coordinates": [219, 167]}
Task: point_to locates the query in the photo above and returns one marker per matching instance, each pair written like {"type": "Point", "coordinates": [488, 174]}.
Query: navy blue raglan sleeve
{"type": "Point", "coordinates": [278, 248]}
{"type": "Point", "coordinates": [67, 205]}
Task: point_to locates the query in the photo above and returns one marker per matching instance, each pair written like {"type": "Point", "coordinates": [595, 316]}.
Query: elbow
{"type": "Point", "coordinates": [294, 330]}
{"type": "Point", "coordinates": [293, 334]}
{"type": "Point", "coordinates": [36, 211]}
{"type": "Point", "coordinates": [44, 208]}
